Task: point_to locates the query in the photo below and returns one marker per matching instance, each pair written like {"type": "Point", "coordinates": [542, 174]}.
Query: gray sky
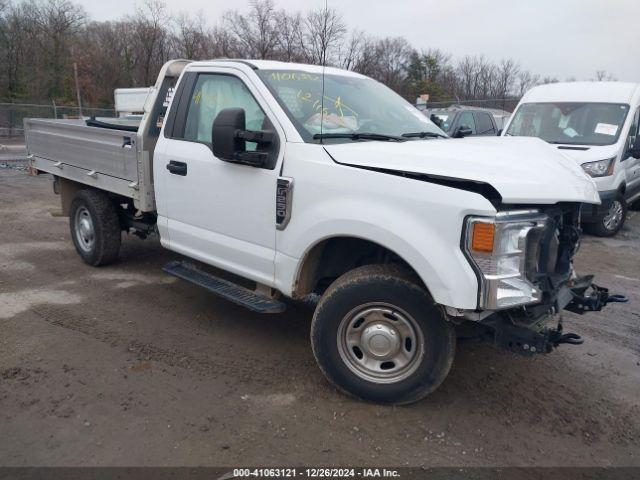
{"type": "Point", "coordinates": [562, 38]}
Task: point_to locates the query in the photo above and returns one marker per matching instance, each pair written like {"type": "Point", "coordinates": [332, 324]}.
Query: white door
{"type": "Point", "coordinates": [218, 212]}
{"type": "Point", "coordinates": [632, 165]}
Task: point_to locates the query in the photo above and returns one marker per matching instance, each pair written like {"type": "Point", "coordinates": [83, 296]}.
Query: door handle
{"type": "Point", "coordinates": [177, 168]}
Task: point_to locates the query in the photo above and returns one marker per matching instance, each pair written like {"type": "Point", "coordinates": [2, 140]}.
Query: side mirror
{"type": "Point", "coordinates": [229, 136]}
{"type": "Point", "coordinates": [634, 150]}
{"type": "Point", "coordinates": [462, 131]}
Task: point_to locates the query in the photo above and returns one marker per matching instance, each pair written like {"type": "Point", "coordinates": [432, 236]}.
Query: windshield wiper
{"type": "Point", "coordinates": [360, 136]}
{"type": "Point", "coordinates": [423, 135]}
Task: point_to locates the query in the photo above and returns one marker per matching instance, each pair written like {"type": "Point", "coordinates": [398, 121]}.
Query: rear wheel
{"type": "Point", "coordinates": [95, 227]}
{"type": "Point", "coordinates": [377, 335]}
{"type": "Point", "coordinates": [612, 220]}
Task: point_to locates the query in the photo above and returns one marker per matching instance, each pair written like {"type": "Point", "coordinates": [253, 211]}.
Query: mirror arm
{"type": "Point", "coordinates": [257, 136]}
{"type": "Point", "coordinates": [255, 159]}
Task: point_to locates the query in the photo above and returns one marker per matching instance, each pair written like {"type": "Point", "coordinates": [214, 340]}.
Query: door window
{"type": "Point", "coordinates": [466, 119]}
{"type": "Point", "coordinates": [484, 124]}
{"type": "Point", "coordinates": [213, 93]}
{"type": "Point", "coordinates": [633, 130]}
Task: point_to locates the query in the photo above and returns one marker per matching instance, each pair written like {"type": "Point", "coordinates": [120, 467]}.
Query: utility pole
{"type": "Point", "coordinates": [75, 74]}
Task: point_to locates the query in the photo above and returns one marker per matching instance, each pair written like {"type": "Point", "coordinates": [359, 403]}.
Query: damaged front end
{"type": "Point", "coordinates": [527, 279]}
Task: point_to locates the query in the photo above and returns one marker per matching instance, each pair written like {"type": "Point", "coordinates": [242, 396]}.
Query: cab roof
{"type": "Point", "coordinates": [276, 65]}
{"type": "Point", "coordinates": [603, 92]}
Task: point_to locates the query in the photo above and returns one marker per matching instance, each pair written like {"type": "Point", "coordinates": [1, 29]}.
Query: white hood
{"type": "Point", "coordinates": [522, 169]}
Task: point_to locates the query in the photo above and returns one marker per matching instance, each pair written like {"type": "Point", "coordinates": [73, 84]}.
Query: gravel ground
{"type": "Point", "coordinates": [124, 365]}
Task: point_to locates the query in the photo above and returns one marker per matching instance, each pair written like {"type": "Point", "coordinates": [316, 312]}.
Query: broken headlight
{"type": "Point", "coordinates": [497, 249]}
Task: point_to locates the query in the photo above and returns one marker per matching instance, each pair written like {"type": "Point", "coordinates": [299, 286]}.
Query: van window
{"type": "Point", "coordinates": [484, 124]}
{"type": "Point", "coordinates": [213, 93]}
{"type": "Point", "coordinates": [570, 123]}
{"type": "Point", "coordinates": [466, 119]}
{"type": "Point", "coordinates": [634, 130]}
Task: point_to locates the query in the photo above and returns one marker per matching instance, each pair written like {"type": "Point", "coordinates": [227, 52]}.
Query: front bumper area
{"type": "Point", "coordinates": [524, 335]}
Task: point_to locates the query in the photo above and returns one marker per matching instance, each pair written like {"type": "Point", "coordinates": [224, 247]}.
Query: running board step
{"type": "Point", "coordinates": [224, 288]}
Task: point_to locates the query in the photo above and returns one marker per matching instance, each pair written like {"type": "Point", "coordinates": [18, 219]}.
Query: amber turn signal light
{"type": "Point", "coordinates": [482, 238]}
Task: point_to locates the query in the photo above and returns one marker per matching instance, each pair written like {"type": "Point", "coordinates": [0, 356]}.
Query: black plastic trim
{"type": "Point", "coordinates": [177, 96]}
{"type": "Point", "coordinates": [177, 115]}
{"type": "Point", "coordinates": [92, 122]}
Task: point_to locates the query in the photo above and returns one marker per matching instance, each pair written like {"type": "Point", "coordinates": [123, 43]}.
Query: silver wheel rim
{"type": "Point", "coordinates": [380, 343]}
{"type": "Point", "coordinates": [613, 218]}
{"type": "Point", "coordinates": [84, 230]}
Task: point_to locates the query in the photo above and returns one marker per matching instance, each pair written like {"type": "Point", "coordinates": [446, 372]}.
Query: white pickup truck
{"type": "Point", "coordinates": [305, 180]}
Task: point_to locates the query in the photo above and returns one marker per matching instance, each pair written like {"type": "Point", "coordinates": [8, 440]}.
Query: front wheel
{"type": "Point", "coordinates": [612, 220]}
{"type": "Point", "coordinates": [377, 335]}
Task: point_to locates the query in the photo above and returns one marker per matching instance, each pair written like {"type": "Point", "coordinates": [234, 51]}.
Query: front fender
{"type": "Point", "coordinates": [419, 221]}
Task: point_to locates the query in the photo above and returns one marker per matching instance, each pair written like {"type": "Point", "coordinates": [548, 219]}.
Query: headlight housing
{"type": "Point", "coordinates": [497, 249]}
{"type": "Point", "coordinates": [600, 168]}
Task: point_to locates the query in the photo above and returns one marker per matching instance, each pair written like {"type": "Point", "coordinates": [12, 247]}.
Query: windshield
{"type": "Point", "coordinates": [570, 123]}
{"type": "Point", "coordinates": [351, 104]}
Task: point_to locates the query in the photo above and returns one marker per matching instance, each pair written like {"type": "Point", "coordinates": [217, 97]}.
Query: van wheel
{"type": "Point", "coordinates": [376, 334]}
{"type": "Point", "coordinates": [95, 227]}
{"type": "Point", "coordinates": [612, 221]}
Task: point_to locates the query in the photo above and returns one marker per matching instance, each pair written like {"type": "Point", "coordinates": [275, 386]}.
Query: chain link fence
{"type": "Point", "coordinates": [12, 115]}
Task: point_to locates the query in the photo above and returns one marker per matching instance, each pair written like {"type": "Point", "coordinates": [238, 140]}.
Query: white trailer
{"type": "Point", "coordinates": [130, 101]}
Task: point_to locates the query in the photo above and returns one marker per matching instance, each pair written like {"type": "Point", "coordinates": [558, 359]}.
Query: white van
{"type": "Point", "coordinates": [596, 124]}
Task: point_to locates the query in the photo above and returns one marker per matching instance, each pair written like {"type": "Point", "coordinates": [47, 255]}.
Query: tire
{"type": "Point", "coordinates": [356, 316]}
{"type": "Point", "coordinates": [95, 227]}
{"type": "Point", "coordinates": [611, 221]}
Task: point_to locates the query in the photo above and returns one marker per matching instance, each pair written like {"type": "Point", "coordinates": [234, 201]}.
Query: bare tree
{"type": "Point", "coordinates": [352, 52]}
{"type": "Point", "coordinates": [53, 26]}
{"type": "Point", "coordinates": [392, 58]}
{"type": "Point", "coordinates": [223, 44]}
{"type": "Point", "coordinates": [256, 33]}
{"type": "Point", "coordinates": [325, 31]}
{"type": "Point", "coordinates": [191, 39]}
{"type": "Point", "coordinates": [546, 80]}
{"type": "Point", "coordinates": [506, 73]}
{"type": "Point", "coordinates": [525, 81]}
{"type": "Point", "coordinates": [604, 76]}
{"type": "Point", "coordinates": [150, 24]}
{"type": "Point", "coordinates": [41, 39]}
{"type": "Point", "coordinates": [290, 37]}
{"type": "Point", "coordinates": [12, 50]}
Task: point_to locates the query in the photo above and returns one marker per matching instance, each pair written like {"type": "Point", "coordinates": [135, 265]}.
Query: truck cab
{"type": "Point", "coordinates": [318, 183]}
{"type": "Point", "coordinates": [596, 125]}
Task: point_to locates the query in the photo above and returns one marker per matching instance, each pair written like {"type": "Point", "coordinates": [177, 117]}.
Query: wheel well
{"type": "Point", "coordinates": [331, 258]}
